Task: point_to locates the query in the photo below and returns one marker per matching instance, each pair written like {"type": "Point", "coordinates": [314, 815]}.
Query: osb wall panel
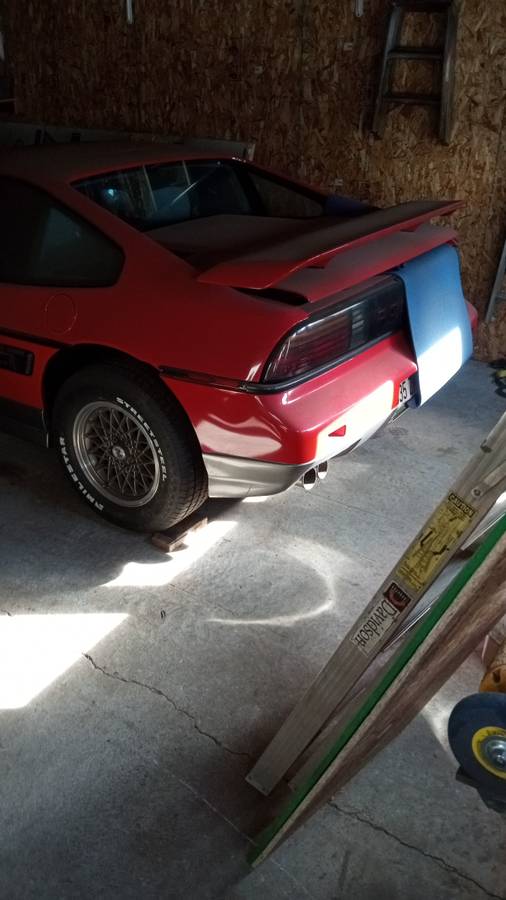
{"type": "Point", "coordinates": [296, 76]}
{"type": "Point", "coordinates": [491, 339]}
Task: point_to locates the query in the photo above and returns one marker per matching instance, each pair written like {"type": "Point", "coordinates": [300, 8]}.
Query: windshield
{"type": "Point", "coordinates": [154, 196]}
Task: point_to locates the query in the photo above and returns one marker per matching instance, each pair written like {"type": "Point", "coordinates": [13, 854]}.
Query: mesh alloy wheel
{"type": "Point", "coordinates": [116, 453]}
{"type": "Point", "coordinates": [127, 446]}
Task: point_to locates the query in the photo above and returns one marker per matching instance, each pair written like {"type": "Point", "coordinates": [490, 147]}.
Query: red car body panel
{"type": "Point", "coordinates": [294, 426]}
{"type": "Point", "coordinates": [203, 336]}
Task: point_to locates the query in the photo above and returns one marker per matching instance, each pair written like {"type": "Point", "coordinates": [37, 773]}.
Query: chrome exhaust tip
{"type": "Point", "coordinates": [322, 471]}
{"type": "Point", "coordinates": [309, 479]}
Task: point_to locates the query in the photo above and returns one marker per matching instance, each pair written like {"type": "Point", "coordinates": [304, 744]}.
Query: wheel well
{"type": "Point", "coordinates": [69, 360]}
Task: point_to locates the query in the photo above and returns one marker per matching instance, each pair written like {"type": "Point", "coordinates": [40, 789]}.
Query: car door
{"type": "Point", "coordinates": [47, 255]}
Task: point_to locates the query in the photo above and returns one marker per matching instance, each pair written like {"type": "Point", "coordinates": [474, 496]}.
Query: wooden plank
{"type": "Point", "coordinates": [439, 645]}
{"type": "Point", "coordinates": [471, 497]}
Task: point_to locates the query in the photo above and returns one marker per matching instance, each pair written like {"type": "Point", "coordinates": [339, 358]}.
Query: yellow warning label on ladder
{"type": "Point", "coordinates": [442, 532]}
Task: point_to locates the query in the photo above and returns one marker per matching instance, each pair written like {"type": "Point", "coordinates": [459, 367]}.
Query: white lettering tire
{"type": "Point", "coordinates": [128, 448]}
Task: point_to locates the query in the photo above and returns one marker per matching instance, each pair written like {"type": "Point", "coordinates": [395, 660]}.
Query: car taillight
{"type": "Point", "coordinates": [325, 340]}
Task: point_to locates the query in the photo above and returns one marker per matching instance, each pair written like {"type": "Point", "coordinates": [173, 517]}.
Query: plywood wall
{"type": "Point", "coordinates": [296, 76]}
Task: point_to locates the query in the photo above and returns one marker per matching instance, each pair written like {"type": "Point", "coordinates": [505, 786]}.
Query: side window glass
{"type": "Point", "coordinates": [126, 194]}
{"type": "Point", "coordinates": [44, 243]}
{"type": "Point", "coordinates": [143, 197]}
{"type": "Point", "coordinates": [281, 200]}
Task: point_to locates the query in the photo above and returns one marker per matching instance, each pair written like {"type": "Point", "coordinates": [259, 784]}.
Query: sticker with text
{"type": "Point", "coordinates": [377, 622]}
{"type": "Point", "coordinates": [439, 539]}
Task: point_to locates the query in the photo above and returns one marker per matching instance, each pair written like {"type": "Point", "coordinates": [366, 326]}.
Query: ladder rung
{"type": "Point", "coordinates": [420, 99]}
{"type": "Point", "coordinates": [435, 53]}
{"type": "Point", "coordinates": [429, 6]}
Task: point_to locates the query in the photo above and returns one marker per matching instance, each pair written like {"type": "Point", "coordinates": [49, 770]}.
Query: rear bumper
{"type": "Point", "coordinates": [233, 476]}
{"type": "Point", "coordinates": [236, 477]}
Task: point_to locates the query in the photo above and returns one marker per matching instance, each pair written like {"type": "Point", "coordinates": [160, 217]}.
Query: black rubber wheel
{"type": "Point", "coordinates": [475, 726]}
{"type": "Point", "coordinates": [128, 447]}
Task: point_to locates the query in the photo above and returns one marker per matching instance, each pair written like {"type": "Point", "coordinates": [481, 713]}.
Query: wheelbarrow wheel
{"type": "Point", "coordinates": [477, 736]}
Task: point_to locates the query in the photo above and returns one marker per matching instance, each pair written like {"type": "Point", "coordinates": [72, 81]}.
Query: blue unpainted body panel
{"type": "Point", "coordinates": [438, 318]}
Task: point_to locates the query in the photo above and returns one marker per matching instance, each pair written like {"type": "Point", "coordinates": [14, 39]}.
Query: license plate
{"type": "Point", "coordinates": [405, 391]}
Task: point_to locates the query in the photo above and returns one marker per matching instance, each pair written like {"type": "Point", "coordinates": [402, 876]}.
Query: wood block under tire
{"type": "Point", "coordinates": [174, 537]}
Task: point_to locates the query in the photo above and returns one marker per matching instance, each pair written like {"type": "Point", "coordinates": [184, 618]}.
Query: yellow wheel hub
{"type": "Point", "coordinates": [489, 749]}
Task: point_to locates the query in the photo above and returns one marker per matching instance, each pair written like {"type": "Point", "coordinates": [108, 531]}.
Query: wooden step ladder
{"type": "Point", "coordinates": [442, 55]}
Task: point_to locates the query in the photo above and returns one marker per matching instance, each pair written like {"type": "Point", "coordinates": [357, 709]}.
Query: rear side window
{"type": "Point", "coordinates": [149, 197]}
{"type": "Point", "coordinates": [44, 243]}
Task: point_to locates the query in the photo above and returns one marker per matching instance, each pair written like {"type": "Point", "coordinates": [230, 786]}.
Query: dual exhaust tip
{"type": "Point", "coordinates": [313, 476]}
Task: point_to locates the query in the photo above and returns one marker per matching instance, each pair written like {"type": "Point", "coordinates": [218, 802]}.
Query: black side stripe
{"type": "Point", "coordinates": [33, 339]}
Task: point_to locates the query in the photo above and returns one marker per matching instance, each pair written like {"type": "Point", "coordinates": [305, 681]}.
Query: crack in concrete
{"type": "Point", "coordinates": [5, 612]}
{"type": "Point", "coordinates": [350, 813]}
{"type": "Point", "coordinates": [190, 787]}
{"type": "Point", "coordinates": [169, 700]}
{"type": "Point", "coordinates": [437, 859]}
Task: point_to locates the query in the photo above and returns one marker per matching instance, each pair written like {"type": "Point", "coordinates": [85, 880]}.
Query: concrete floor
{"type": "Point", "coordinates": [137, 687]}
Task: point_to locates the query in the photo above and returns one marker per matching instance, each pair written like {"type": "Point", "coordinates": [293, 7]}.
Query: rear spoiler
{"type": "Point", "coordinates": [264, 268]}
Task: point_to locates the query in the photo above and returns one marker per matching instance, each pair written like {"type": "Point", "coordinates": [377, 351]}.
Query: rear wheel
{"type": "Point", "coordinates": [127, 447]}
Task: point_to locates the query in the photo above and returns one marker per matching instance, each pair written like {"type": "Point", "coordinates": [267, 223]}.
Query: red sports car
{"type": "Point", "coordinates": [182, 326]}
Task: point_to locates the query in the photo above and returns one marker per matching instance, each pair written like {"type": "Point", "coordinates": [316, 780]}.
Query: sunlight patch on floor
{"type": "Point", "coordinates": [157, 574]}
{"type": "Point", "coordinates": [283, 621]}
{"type": "Point", "coordinates": [37, 649]}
